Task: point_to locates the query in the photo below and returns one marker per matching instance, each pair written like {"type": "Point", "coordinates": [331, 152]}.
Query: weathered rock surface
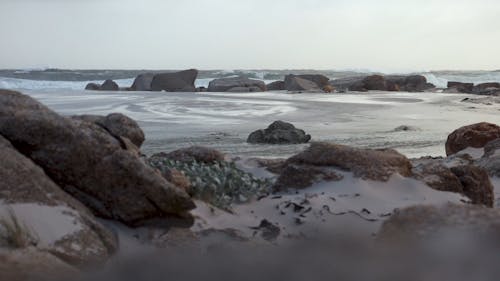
{"type": "Point", "coordinates": [458, 174]}
{"type": "Point", "coordinates": [321, 161]}
{"type": "Point", "coordinates": [30, 193]}
{"type": "Point", "coordinates": [474, 136]}
{"type": "Point", "coordinates": [90, 164]}
{"type": "Point", "coordinates": [491, 158]}
{"type": "Point", "coordinates": [236, 84]}
{"type": "Point", "coordinates": [32, 264]}
{"type": "Point", "coordinates": [279, 132]}
{"type": "Point", "coordinates": [194, 153]}
{"type": "Point", "coordinates": [182, 81]}
{"type": "Point", "coordinates": [118, 125]}
{"type": "Point", "coordinates": [427, 222]}
{"type": "Point", "coordinates": [460, 87]}
{"type": "Point", "coordinates": [411, 83]}
{"type": "Point", "coordinates": [276, 86]}
{"type": "Point", "coordinates": [296, 83]}
{"type": "Point", "coordinates": [142, 82]}
{"type": "Point", "coordinates": [486, 88]}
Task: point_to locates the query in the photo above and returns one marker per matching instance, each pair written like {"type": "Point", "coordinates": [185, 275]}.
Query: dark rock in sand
{"type": "Point", "coordinates": [491, 158]}
{"type": "Point", "coordinates": [92, 87]}
{"type": "Point", "coordinates": [90, 164]}
{"type": "Point", "coordinates": [279, 132]}
{"type": "Point", "coordinates": [295, 83]}
{"type": "Point", "coordinates": [118, 125]}
{"type": "Point", "coordinates": [142, 82]}
{"type": "Point", "coordinates": [23, 182]}
{"type": "Point", "coordinates": [109, 85]}
{"type": "Point", "coordinates": [276, 86]}
{"type": "Point", "coordinates": [236, 84]}
{"type": "Point", "coordinates": [476, 184]}
{"type": "Point", "coordinates": [474, 136]}
{"type": "Point", "coordinates": [194, 153]}
{"type": "Point", "coordinates": [182, 81]}
{"type": "Point", "coordinates": [321, 160]}
{"type": "Point", "coordinates": [420, 223]}
{"type": "Point", "coordinates": [461, 87]}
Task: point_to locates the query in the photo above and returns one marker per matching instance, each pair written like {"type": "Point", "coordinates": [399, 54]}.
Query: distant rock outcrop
{"type": "Point", "coordinates": [182, 81]}
{"type": "Point", "coordinates": [142, 82]}
{"type": "Point", "coordinates": [460, 87]}
{"type": "Point", "coordinates": [276, 86]}
{"type": "Point", "coordinates": [236, 85]}
{"type": "Point", "coordinates": [89, 163]}
{"type": "Point", "coordinates": [474, 136]}
{"type": "Point", "coordinates": [306, 83]}
{"type": "Point", "coordinates": [392, 83]}
{"type": "Point", "coordinates": [279, 132]}
{"type": "Point", "coordinates": [108, 85]}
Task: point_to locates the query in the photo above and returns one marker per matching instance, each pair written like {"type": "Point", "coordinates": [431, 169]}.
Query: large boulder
{"type": "Point", "coordinates": [460, 87]}
{"type": "Point", "coordinates": [395, 83]}
{"type": "Point", "coordinates": [375, 83]}
{"type": "Point", "coordinates": [279, 132]}
{"type": "Point", "coordinates": [182, 81]}
{"type": "Point", "coordinates": [142, 82]}
{"type": "Point", "coordinates": [295, 83]}
{"type": "Point", "coordinates": [276, 86]}
{"type": "Point", "coordinates": [109, 85]}
{"type": "Point", "coordinates": [321, 80]}
{"type": "Point", "coordinates": [473, 136]}
{"type": "Point", "coordinates": [236, 84]}
{"type": "Point", "coordinates": [89, 163]}
{"type": "Point", "coordinates": [321, 160]}
{"type": "Point", "coordinates": [410, 83]}
{"type": "Point", "coordinates": [490, 88]}
{"type": "Point", "coordinates": [437, 222]}
{"type": "Point", "coordinates": [118, 125]}
{"type": "Point", "coordinates": [57, 222]}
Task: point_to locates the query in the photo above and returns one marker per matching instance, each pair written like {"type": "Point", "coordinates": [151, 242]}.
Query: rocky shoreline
{"type": "Point", "coordinates": [68, 181]}
{"type": "Point", "coordinates": [184, 81]}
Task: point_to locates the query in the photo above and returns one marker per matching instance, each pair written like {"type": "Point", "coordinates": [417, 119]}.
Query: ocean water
{"type": "Point", "coordinates": [224, 120]}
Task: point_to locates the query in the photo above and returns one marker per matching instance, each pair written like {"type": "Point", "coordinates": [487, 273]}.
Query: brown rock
{"type": "Point", "coordinates": [85, 161]}
{"type": "Point", "coordinates": [118, 125]}
{"type": "Point", "coordinates": [476, 184]}
{"type": "Point", "coordinates": [182, 81]}
{"type": "Point", "coordinates": [424, 222]}
{"type": "Point", "coordinates": [25, 183]}
{"type": "Point", "coordinates": [375, 83]}
{"type": "Point", "coordinates": [475, 136]}
{"type": "Point", "coordinates": [368, 164]}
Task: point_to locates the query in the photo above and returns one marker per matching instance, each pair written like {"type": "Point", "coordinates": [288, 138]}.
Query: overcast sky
{"type": "Point", "coordinates": [387, 35]}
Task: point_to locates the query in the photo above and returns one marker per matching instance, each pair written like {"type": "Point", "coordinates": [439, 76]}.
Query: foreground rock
{"type": "Point", "coordinates": [118, 125]}
{"type": "Point", "coordinates": [276, 86]}
{"type": "Point", "coordinates": [89, 163]}
{"type": "Point", "coordinates": [182, 81]}
{"type": "Point", "coordinates": [459, 87]}
{"type": "Point", "coordinates": [490, 161]}
{"type": "Point", "coordinates": [54, 221]}
{"type": "Point", "coordinates": [428, 222]}
{"type": "Point", "coordinates": [473, 136]}
{"type": "Point", "coordinates": [323, 161]}
{"type": "Point", "coordinates": [108, 85]}
{"type": "Point", "coordinates": [279, 132]}
{"type": "Point", "coordinates": [491, 88]}
{"type": "Point", "coordinates": [236, 85]}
